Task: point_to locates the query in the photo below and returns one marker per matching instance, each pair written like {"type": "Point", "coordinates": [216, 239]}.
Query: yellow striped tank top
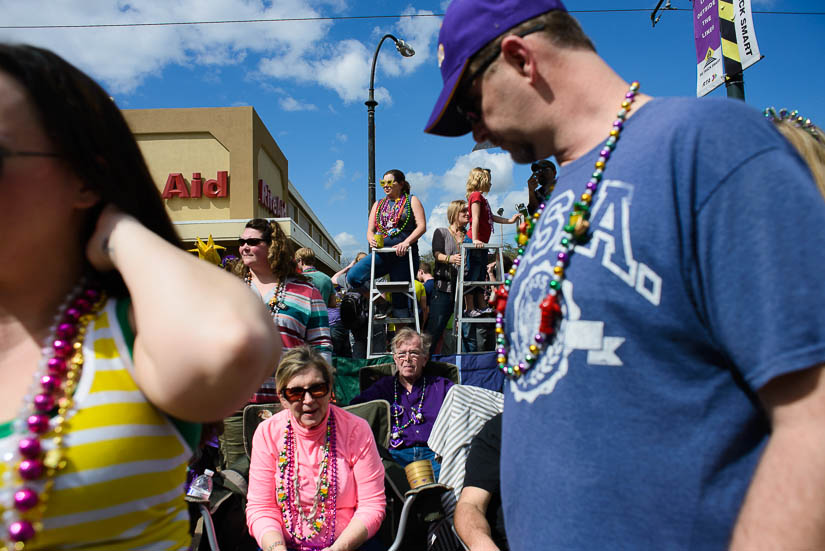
{"type": "Point", "coordinates": [122, 488]}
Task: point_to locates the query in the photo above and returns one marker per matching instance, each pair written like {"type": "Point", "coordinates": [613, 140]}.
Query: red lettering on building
{"type": "Point", "coordinates": [198, 187]}
{"type": "Point", "coordinates": [175, 186]}
{"type": "Point", "coordinates": [270, 202]}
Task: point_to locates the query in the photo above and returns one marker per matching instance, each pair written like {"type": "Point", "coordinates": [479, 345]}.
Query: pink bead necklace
{"type": "Point", "coordinates": [326, 489]}
{"type": "Point", "coordinates": [36, 450]}
{"type": "Point", "coordinates": [575, 231]}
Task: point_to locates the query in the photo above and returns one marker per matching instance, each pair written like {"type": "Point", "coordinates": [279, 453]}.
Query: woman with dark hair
{"type": "Point", "coordinates": [107, 365]}
{"type": "Point", "coordinates": [269, 268]}
{"type": "Point", "coordinates": [316, 480]}
{"type": "Point", "coordinates": [398, 221]}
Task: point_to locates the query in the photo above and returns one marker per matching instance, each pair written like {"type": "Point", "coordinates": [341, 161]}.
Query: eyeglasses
{"type": "Point", "coordinates": [296, 393]}
{"type": "Point", "coordinates": [252, 241]}
{"type": "Point", "coordinates": [10, 153]}
{"type": "Point", "coordinates": [386, 183]}
{"type": "Point", "coordinates": [412, 354]}
{"type": "Point", "coordinates": [470, 107]}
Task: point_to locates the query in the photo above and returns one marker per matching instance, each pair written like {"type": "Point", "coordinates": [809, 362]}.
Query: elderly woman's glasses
{"type": "Point", "coordinates": [296, 393]}
{"type": "Point", "coordinates": [4, 153]}
{"type": "Point", "coordinates": [252, 241]}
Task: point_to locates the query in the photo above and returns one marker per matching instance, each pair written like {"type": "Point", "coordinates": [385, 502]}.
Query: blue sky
{"type": "Point", "coordinates": [308, 80]}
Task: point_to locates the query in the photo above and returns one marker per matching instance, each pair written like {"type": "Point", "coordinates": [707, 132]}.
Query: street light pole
{"type": "Point", "coordinates": [405, 50]}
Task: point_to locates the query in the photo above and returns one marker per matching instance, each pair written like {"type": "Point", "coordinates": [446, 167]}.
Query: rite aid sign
{"type": "Point", "coordinates": [198, 187]}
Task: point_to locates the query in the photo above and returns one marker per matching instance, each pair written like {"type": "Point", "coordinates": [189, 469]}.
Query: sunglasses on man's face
{"type": "Point", "coordinates": [296, 393]}
{"type": "Point", "coordinates": [4, 153]}
{"type": "Point", "coordinates": [252, 241]}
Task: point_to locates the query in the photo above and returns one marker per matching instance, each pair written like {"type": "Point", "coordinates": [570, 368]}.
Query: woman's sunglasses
{"type": "Point", "coordinates": [252, 241]}
{"type": "Point", "coordinates": [296, 393]}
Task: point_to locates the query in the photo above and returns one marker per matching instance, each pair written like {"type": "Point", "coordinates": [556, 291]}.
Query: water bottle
{"type": "Point", "coordinates": [201, 488]}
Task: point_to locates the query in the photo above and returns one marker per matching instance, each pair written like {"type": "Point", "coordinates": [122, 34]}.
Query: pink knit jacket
{"type": "Point", "coordinates": [360, 473]}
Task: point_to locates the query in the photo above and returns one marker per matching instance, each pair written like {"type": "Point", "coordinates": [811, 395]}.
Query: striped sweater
{"type": "Point", "coordinates": [304, 320]}
{"type": "Point", "coordinates": [122, 488]}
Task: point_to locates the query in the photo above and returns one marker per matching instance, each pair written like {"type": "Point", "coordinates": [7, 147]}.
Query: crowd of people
{"type": "Point", "coordinates": [664, 388]}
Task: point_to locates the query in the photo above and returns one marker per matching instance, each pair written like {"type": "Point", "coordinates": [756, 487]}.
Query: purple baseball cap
{"type": "Point", "coordinates": [467, 27]}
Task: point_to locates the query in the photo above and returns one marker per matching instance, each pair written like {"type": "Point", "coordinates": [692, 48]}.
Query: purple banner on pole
{"type": "Point", "coordinates": [709, 69]}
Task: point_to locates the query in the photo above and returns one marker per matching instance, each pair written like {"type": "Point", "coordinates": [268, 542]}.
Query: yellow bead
{"type": "Point", "coordinates": [625, 104]}
{"type": "Point", "coordinates": [501, 359]}
{"type": "Point", "coordinates": [558, 270]}
{"type": "Point", "coordinates": [586, 198]}
{"type": "Point", "coordinates": [600, 164]}
{"type": "Point", "coordinates": [534, 349]}
{"type": "Point", "coordinates": [512, 271]}
{"type": "Point", "coordinates": [522, 239]}
{"type": "Point", "coordinates": [614, 132]}
{"type": "Point", "coordinates": [499, 330]}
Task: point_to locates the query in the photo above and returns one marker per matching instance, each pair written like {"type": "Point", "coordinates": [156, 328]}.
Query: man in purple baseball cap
{"type": "Point", "coordinates": [664, 388]}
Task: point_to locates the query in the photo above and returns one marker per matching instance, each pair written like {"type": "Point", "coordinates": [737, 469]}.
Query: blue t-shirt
{"type": "Point", "coordinates": [639, 428]}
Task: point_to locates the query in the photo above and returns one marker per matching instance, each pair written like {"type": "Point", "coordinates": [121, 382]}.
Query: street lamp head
{"type": "Point", "coordinates": [404, 48]}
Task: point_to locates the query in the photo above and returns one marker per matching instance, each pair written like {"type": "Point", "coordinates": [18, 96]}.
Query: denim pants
{"type": "Point", "coordinates": [398, 268]}
{"type": "Point", "coordinates": [405, 456]}
{"type": "Point", "coordinates": [441, 308]}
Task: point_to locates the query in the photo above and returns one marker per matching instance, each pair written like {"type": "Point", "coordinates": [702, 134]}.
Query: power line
{"type": "Point", "coordinates": [339, 18]}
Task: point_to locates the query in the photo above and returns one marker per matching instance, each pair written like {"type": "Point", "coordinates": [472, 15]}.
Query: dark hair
{"type": "Point", "coordinates": [399, 177]}
{"type": "Point", "coordinates": [89, 132]}
{"type": "Point", "coordinates": [541, 165]}
{"type": "Point", "coordinates": [280, 255]}
{"type": "Point", "coordinates": [559, 26]}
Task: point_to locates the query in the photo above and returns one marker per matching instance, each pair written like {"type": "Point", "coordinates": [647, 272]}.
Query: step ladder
{"type": "Point", "coordinates": [377, 290]}
{"type": "Point", "coordinates": [461, 286]}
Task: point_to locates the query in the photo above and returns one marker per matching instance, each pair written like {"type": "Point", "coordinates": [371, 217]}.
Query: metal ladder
{"type": "Point", "coordinates": [377, 290]}
{"type": "Point", "coordinates": [461, 285]}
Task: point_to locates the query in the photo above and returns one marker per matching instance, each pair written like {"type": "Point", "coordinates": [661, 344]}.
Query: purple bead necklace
{"type": "Point", "coordinates": [416, 416]}
{"type": "Point", "coordinates": [326, 489]}
{"type": "Point", "coordinates": [30, 466]}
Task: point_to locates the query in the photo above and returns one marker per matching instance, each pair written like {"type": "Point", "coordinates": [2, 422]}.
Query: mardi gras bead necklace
{"type": "Point", "coordinates": [416, 416]}
{"type": "Point", "coordinates": [276, 303]}
{"type": "Point", "coordinates": [30, 467]}
{"type": "Point", "coordinates": [326, 488]}
{"type": "Point", "coordinates": [388, 214]}
{"type": "Point", "coordinates": [575, 231]}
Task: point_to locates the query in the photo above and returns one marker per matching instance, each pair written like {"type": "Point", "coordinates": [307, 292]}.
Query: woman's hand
{"type": "Point", "coordinates": [477, 243]}
{"type": "Point", "coordinates": [515, 218]}
{"type": "Point", "coordinates": [455, 259]}
{"type": "Point", "coordinates": [401, 248]}
{"type": "Point", "coordinates": [99, 251]}
{"type": "Point", "coordinates": [371, 241]}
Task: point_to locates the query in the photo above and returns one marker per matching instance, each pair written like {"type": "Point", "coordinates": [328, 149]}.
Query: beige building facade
{"type": "Point", "coordinates": [216, 168]}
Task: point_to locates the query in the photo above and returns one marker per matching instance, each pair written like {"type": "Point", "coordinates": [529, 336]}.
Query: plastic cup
{"type": "Point", "coordinates": [420, 473]}
{"type": "Point", "coordinates": [379, 240]}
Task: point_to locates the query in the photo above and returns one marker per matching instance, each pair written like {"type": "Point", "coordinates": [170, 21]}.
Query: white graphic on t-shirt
{"type": "Point", "coordinates": [611, 241]}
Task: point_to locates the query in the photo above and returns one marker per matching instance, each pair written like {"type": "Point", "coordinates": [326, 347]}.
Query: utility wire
{"type": "Point", "coordinates": [341, 18]}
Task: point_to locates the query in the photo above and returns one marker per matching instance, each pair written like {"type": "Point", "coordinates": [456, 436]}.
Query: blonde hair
{"type": "Point", "coordinates": [809, 148]}
{"type": "Point", "coordinates": [454, 209]}
{"type": "Point", "coordinates": [305, 255]}
{"type": "Point", "coordinates": [479, 180]}
{"type": "Point", "coordinates": [298, 359]}
{"type": "Point", "coordinates": [407, 334]}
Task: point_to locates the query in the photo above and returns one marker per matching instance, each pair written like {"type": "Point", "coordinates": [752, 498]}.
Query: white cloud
{"type": "Point", "coordinates": [349, 245]}
{"type": "Point", "coordinates": [341, 137]}
{"type": "Point", "coordinates": [334, 173]}
{"type": "Point", "coordinates": [124, 57]}
{"type": "Point", "coordinates": [291, 104]}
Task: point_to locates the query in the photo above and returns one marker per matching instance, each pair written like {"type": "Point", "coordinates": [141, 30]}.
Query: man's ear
{"type": "Point", "coordinates": [519, 53]}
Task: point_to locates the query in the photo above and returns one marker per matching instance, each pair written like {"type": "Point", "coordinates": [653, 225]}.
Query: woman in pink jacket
{"type": "Point", "coordinates": [316, 481]}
